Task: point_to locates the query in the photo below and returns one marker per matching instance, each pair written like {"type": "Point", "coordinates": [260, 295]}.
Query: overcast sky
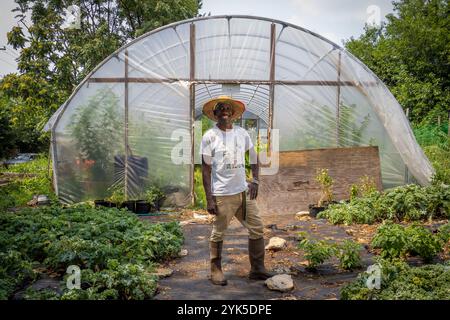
{"type": "Point", "coordinates": [334, 19]}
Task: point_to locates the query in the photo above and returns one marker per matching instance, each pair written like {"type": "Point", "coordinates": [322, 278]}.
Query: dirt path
{"type": "Point", "coordinates": [189, 280]}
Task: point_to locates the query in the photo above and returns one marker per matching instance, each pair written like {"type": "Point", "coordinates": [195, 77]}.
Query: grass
{"type": "Point", "coordinates": [436, 144]}
{"type": "Point", "coordinates": [21, 189]}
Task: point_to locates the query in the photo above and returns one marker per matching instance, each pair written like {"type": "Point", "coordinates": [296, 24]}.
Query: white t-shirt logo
{"type": "Point", "coordinates": [227, 150]}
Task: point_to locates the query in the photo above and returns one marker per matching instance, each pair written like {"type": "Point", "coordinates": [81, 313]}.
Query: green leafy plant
{"type": "Point", "coordinates": [391, 239]}
{"type": "Point", "coordinates": [154, 196]}
{"type": "Point", "coordinates": [367, 186]}
{"type": "Point", "coordinates": [409, 203]}
{"type": "Point", "coordinates": [348, 254]}
{"type": "Point", "coordinates": [117, 281]}
{"type": "Point", "coordinates": [395, 241]}
{"type": "Point", "coordinates": [422, 242]}
{"type": "Point", "coordinates": [444, 233]}
{"type": "Point", "coordinates": [114, 249]}
{"type": "Point", "coordinates": [316, 252]}
{"type": "Point", "coordinates": [26, 180]}
{"type": "Point", "coordinates": [326, 184]}
{"type": "Point", "coordinates": [117, 195]}
{"type": "Point", "coordinates": [436, 144]}
{"type": "Point", "coordinates": [354, 191]}
{"type": "Point", "coordinates": [366, 210]}
{"type": "Point", "coordinates": [44, 294]}
{"type": "Point", "coordinates": [199, 191]}
{"type": "Point", "coordinates": [402, 282]}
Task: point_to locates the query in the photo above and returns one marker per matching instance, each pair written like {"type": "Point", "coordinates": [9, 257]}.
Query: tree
{"type": "Point", "coordinates": [54, 60]}
{"type": "Point", "coordinates": [410, 53]}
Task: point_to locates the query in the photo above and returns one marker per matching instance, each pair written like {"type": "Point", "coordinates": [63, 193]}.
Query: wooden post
{"type": "Point", "coordinates": [192, 107]}
{"type": "Point", "coordinates": [439, 121]}
{"type": "Point", "coordinates": [406, 167]}
{"type": "Point", "coordinates": [338, 99]}
{"type": "Point", "coordinates": [271, 86]}
{"type": "Point", "coordinates": [126, 126]}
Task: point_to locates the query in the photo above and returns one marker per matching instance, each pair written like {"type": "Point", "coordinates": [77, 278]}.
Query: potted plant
{"type": "Point", "coordinates": [102, 203]}
{"type": "Point", "coordinates": [117, 197]}
{"type": "Point", "coordinates": [326, 192]}
{"type": "Point", "coordinates": [152, 200]}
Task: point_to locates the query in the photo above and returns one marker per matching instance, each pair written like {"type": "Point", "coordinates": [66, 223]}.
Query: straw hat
{"type": "Point", "coordinates": [238, 107]}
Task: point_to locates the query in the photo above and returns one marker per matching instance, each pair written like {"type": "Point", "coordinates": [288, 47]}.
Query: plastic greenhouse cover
{"type": "Point", "coordinates": [148, 96]}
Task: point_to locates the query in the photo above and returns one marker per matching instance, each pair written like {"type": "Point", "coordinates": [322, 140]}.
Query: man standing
{"type": "Point", "coordinates": [223, 151]}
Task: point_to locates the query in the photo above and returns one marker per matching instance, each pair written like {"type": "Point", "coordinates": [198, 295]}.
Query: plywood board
{"type": "Point", "coordinates": [294, 187]}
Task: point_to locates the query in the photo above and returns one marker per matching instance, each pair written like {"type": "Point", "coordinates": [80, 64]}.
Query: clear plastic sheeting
{"type": "Point", "coordinates": [136, 120]}
{"type": "Point", "coordinates": [87, 137]}
{"type": "Point", "coordinates": [159, 131]}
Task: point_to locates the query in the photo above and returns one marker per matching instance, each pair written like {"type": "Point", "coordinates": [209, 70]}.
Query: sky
{"type": "Point", "coordinates": [336, 20]}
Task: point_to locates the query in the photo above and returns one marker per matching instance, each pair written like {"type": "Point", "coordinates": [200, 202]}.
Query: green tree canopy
{"type": "Point", "coordinates": [53, 60]}
{"type": "Point", "coordinates": [411, 54]}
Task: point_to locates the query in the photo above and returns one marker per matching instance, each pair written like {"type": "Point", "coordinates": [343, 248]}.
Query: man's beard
{"type": "Point", "coordinates": [225, 122]}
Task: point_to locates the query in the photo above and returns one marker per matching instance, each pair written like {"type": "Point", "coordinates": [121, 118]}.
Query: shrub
{"type": "Point", "coordinates": [422, 242]}
{"type": "Point", "coordinates": [117, 281]}
{"type": "Point", "coordinates": [444, 233]}
{"type": "Point", "coordinates": [436, 145]}
{"type": "Point", "coordinates": [367, 186]}
{"type": "Point", "coordinates": [348, 254]}
{"type": "Point", "coordinates": [391, 239]}
{"type": "Point", "coordinates": [154, 196]}
{"type": "Point", "coordinates": [402, 282]}
{"type": "Point", "coordinates": [316, 252]}
{"type": "Point", "coordinates": [408, 203]}
{"type": "Point", "coordinates": [112, 248]}
{"type": "Point", "coordinates": [395, 241]}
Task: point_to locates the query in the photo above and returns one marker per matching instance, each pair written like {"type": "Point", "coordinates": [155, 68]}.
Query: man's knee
{"type": "Point", "coordinates": [216, 236]}
{"type": "Point", "coordinates": [256, 231]}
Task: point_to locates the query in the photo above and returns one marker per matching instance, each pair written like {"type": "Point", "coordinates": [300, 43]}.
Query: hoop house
{"type": "Point", "coordinates": [125, 122]}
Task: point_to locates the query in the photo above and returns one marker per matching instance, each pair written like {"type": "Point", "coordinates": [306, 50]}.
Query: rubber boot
{"type": "Point", "coordinates": [256, 251]}
{"type": "Point", "coordinates": [217, 276]}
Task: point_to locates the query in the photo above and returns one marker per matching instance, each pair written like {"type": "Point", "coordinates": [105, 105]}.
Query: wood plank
{"type": "Point", "coordinates": [294, 187]}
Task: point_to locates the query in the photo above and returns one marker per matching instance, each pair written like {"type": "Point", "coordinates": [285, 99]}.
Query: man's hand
{"type": "Point", "coordinates": [253, 190]}
{"type": "Point", "coordinates": [211, 207]}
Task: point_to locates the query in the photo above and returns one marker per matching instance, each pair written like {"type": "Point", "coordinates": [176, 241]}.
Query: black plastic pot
{"type": "Point", "coordinates": [130, 205]}
{"type": "Point", "coordinates": [101, 203]}
{"type": "Point", "coordinates": [314, 210]}
{"type": "Point", "coordinates": [143, 207]}
{"type": "Point", "coordinates": [104, 203]}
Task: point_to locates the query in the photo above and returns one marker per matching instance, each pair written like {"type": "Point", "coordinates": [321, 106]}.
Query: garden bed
{"type": "Point", "coordinates": [115, 251]}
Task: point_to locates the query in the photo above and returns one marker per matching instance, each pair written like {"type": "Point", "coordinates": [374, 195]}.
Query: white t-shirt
{"type": "Point", "coordinates": [227, 150]}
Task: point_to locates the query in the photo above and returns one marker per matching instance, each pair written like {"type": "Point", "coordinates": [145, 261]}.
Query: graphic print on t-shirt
{"type": "Point", "coordinates": [227, 150]}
